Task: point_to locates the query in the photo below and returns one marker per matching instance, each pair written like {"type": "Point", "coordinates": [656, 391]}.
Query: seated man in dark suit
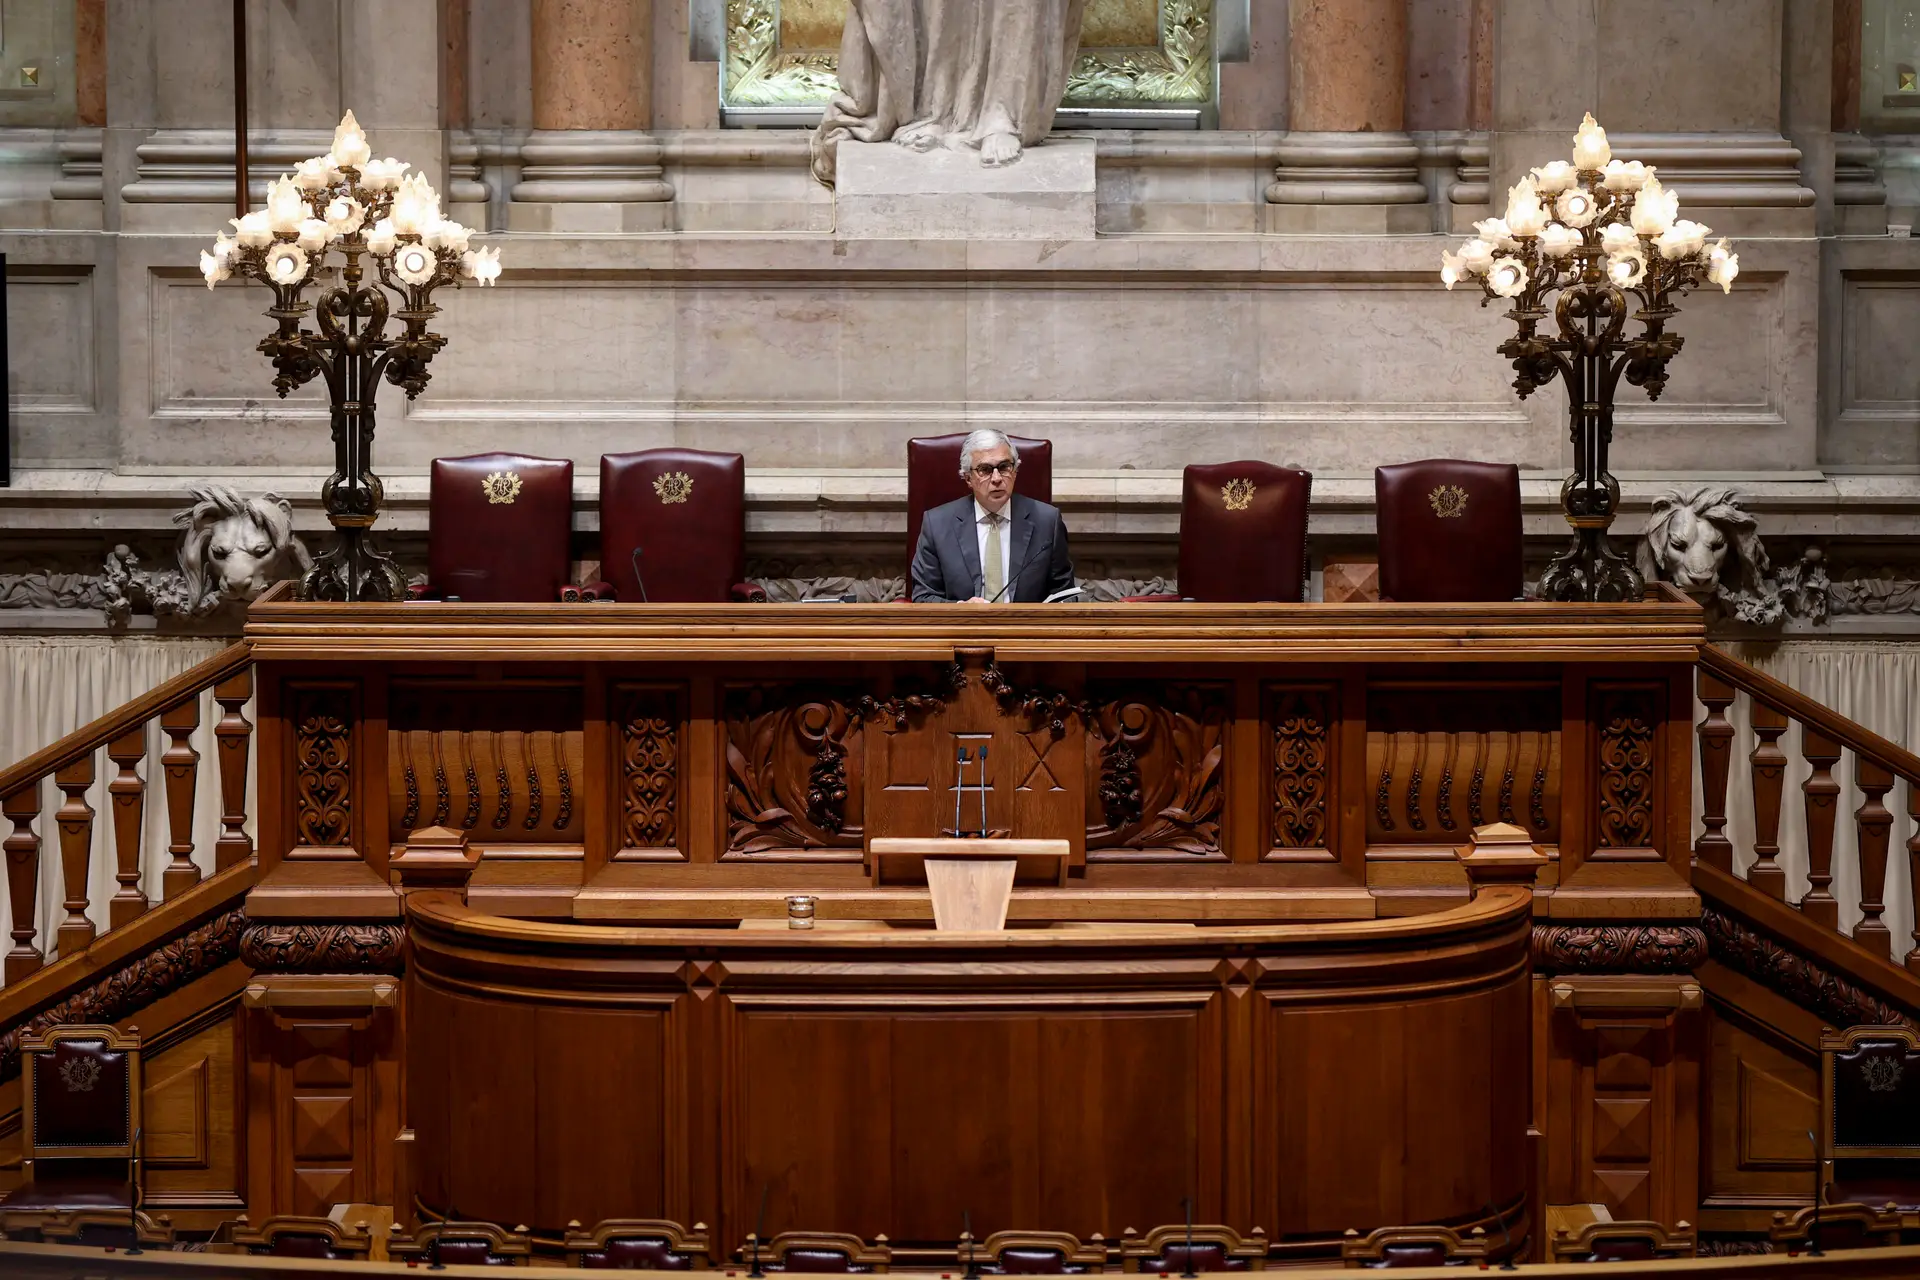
{"type": "Point", "coordinates": [994, 546]}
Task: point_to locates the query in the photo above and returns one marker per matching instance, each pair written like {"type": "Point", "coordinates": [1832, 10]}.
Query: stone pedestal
{"type": "Point", "coordinates": [888, 192]}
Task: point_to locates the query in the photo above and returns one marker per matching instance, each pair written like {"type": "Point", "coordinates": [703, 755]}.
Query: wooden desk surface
{"type": "Point", "coordinates": [1667, 627]}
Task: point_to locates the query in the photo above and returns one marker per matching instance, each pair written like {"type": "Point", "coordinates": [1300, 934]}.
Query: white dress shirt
{"type": "Point", "coordinates": [1006, 545]}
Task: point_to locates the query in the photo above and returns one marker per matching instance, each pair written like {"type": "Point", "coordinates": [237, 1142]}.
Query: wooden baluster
{"type": "Point", "coordinates": [1913, 871]}
{"type": "Point", "coordinates": [182, 764]}
{"type": "Point", "coordinates": [1874, 821]}
{"type": "Point", "coordinates": [129, 793]}
{"type": "Point", "coordinates": [1769, 764]}
{"type": "Point", "coordinates": [23, 878]}
{"type": "Point", "coordinates": [232, 734]}
{"type": "Point", "coordinates": [1821, 792]}
{"type": "Point", "coordinates": [1716, 756]}
{"type": "Point", "coordinates": [75, 820]}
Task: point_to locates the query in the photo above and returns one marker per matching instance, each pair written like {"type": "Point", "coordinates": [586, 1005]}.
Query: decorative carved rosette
{"type": "Point", "coordinates": [1739, 946]}
{"type": "Point", "coordinates": [324, 948]}
{"type": "Point", "coordinates": [1618, 948]}
{"type": "Point", "coordinates": [134, 985]}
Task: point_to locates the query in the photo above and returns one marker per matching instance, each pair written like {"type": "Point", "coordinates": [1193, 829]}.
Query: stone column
{"type": "Point", "coordinates": [589, 164]}
{"type": "Point", "coordinates": [81, 147]}
{"type": "Point", "coordinates": [1347, 163]}
{"type": "Point", "coordinates": [1859, 196]}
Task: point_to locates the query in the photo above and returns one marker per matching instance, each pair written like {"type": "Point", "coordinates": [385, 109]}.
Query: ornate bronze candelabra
{"type": "Point", "coordinates": [371, 214]}
{"type": "Point", "coordinates": [1593, 231]}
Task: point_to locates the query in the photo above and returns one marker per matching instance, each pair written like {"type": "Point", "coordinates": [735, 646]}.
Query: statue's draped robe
{"type": "Point", "coordinates": [968, 68]}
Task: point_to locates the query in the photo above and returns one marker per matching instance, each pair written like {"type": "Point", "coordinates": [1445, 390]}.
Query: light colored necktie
{"type": "Point", "coordinates": [996, 576]}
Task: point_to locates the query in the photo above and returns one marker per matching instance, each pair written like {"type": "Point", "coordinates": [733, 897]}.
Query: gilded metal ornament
{"type": "Point", "coordinates": [501, 488]}
{"type": "Point", "coordinates": [1449, 501]}
{"type": "Point", "coordinates": [674, 487]}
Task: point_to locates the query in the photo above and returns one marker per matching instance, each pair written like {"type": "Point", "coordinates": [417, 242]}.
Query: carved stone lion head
{"type": "Point", "coordinates": [1700, 540]}
{"type": "Point", "coordinates": [234, 548]}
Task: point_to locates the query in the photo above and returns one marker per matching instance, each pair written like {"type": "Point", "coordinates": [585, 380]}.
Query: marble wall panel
{"type": "Point", "coordinates": [52, 362]}
{"type": "Point", "coordinates": [1879, 381]}
{"type": "Point", "coordinates": [1714, 64]}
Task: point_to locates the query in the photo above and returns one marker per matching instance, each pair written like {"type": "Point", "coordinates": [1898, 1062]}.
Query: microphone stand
{"type": "Point", "coordinates": [1813, 1232]}
{"type": "Point", "coordinates": [638, 580]}
{"type": "Point", "coordinates": [983, 789]}
{"type": "Point", "coordinates": [1188, 1273]}
{"type": "Point", "coordinates": [753, 1241]}
{"type": "Point", "coordinates": [959, 788]}
{"type": "Point", "coordinates": [133, 1200]}
{"type": "Point", "coordinates": [966, 1238]}
{"type": "Point", "coordinates": [1506, 1238]}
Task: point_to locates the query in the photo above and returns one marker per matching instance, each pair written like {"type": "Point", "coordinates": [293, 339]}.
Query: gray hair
{"type": "Point", "coordinates": [979, 442]}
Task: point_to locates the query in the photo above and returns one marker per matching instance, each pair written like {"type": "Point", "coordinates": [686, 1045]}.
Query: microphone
{"type": "Point", "coordinates": [959, 788]}
{"type": "Point", "coordinates": [1011, 579]}
{"type": "Point", "coordinates": [133, 1201]}
{"type": "Point", "coordinates": [637, 578]}
{"type": "Point", "coordinates": [983, 788]}
{"type": "Point", "coordinates": [1506, 1239]}
{"type": "Point", "coordinates": [1188, 1273]}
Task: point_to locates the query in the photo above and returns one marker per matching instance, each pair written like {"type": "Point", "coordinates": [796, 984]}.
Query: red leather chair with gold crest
{"type": "Point", "coordinates": [1243, 532]}
{"type": "Point", "coordinates": [498, 528]}
{"type": "Point", "coordinates": [1449, 531]}
{"type": "Point", "coordinates": [673, 526]}
{"type": "Point", "coordinates": [933, 477]}
{"type": "Point", "coordinates": [80, 1126]}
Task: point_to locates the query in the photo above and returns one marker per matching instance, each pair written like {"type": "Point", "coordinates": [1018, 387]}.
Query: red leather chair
{"type": "Point", "coordinates": [499, 527]}
{"type": "Point", "coordinates": [457, 1244]}
{"type": "Point", "coordinates": [79, 1114]}
{"type": "Point", "coordinates": [1243, 532]}
{"type": "Point", "coordinates": [933, 476]}
{"type": "Point", "coordinates": [1202, 1247]}
{"type": "Point", "coordinates": [636, 1244]}
{"type": "Point", "coordinates": [684, 510]}
{"type": "Point", "coordinates": [818, 1253]}
{"type": "Point", "coordinates": [295, 1237]}
{"type": "Point", "coordinates": [1401, 1248]}
{"type": "Point", "coordinates": [1449, 531]}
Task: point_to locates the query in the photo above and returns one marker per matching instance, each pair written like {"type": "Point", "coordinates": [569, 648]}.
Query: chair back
{"type": "Point", "coordinates": [1835, 1226]}
{"type": "Point", "coordinates": [820, 1253]}
{"type": "Point", "coordinates": [636, 1244]}
{"type": "Point", "coordinates": [1040, 1253]}
{"type": "Point", "coordinates": [1397, 1248]}
{"type": "Point", "coordinates": [499, 527]}
{"type": "Point", "coordinates": [1449, 531]}
{"type": "Point", "coordinates": [1243, 532]}
{"type": "Point", "coordinates": [684, 510]}
{"type": "Point", "coordinates": [933, 476]}
{"type": "Point", "coordinates": [1203, 1248]}
{"type": "Point", "coordinates": [299, 1237]}
{"type": "Point", "coordinates": [461, 1244]}
{"type": "Point", "coordinates": [1870, 1116]}
{"type": "Point", "coordinates": [83, 1094]}
{"type": "Point", "coordinates": [1623, 1241]}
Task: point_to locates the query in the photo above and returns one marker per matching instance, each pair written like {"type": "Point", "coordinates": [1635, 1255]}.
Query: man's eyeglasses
{"type": "Point", "coordinates": [986, 470]}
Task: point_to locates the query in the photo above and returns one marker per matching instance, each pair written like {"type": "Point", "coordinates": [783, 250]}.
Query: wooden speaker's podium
{"type": "Point", "coordinates": [970, 879]}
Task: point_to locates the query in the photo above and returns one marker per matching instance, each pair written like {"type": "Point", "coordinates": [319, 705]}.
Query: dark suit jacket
{"type": "Point", "coordinates": [946, 563]}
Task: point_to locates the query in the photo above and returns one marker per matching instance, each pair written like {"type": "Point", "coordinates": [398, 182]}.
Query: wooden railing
{"type": "Point", "coordinates": [1878, 764]}
{"type": "Point", "coordinates": [72, 763]}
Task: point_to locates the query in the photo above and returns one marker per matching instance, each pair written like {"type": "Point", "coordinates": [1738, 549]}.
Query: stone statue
{"type": "Point", "coordinates": [1702, 541]}
{"type": "Point", "coordinates": [985, 74]}
{"type": "Point", "coordinates": [234, 548]}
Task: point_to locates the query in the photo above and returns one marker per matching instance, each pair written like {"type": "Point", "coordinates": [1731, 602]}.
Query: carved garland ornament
{"type": "Point", "coordinates": [134, 985]}
{"type": "Point", "coordinates": [323, 948]}
{"type": "Point", "coordinates": [1176, 801]}
{"type": "Point", "coordinates": [1739, 946]}
{"type": "Point", "coordinates": [1618, 948]}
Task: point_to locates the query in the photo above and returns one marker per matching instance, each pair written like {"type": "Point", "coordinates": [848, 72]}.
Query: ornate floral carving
{"type": "Point", "coordinates": [788, 758]}
{"type": "Point", "coordinates": [134, 985]}
{"type": "Point", "coordinates": [324, 948]}
{"type": "Point", "coordinates": [1738, 945]}
{"type": "Point", "coordinates": [1627, 719]}
{"type": "Point", "coordinates": [650, 768]}
{"type": "Point", "coordinates": [1048, 707]}
{"type": "Point", "coordinates": [322, 758]}
{"type": "Point", "coordinates": [1618, 948]}
{"type": "Point", "coordinates": [1160, 784]}
{"type": "Point", "coordinates": [1301, 768]}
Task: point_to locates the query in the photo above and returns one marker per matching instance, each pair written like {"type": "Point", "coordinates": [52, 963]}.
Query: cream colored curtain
{"type": "Point", "coordinates": [1876, 684]}
{"type": "Point", "coordinates": [53, 685]}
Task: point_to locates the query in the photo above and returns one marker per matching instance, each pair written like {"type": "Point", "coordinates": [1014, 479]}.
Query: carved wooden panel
{"type": "Point", "coordinates": [1762, 1099]}
{"type": "Point", "coordinates": [322, 1104]}
{"type": "Point", "coordinates": [1444, 759]}
{"type": "Point", "coordinates": [1155, 770]}
{"type": "Point", "coordinates": [193, 1130]}
{"type": "Point", "coordinates": [1301, 769]}
{"type": "Point", "coordinates": [323, 724]}
{"type": "Point", "coordinates": [504, 763]}
{"type": "Point", "coordinates": [794, 757]}
{"type": "Point", "coordinates": [646, 729]}
{"type": "Point", "coordinates": [1627, 750]}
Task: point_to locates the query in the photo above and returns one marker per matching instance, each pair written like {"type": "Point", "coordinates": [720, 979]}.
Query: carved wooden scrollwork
{"type": "Point", "coordinates": [1159, 783]}
{"type": "Point", "coordinates": [1445, 758]}
{"type": "Point", "coordinates": [1302, 721]}
{"type": "Point", "coordinates": [1627, 722]}
{"type": "Point", "coordinates": [1741, 947]}
{"type": "Point", "coordinates": [649, 726]}
{"type": "Point", "coordinates": [324, 948]}
{"type": "Point", "coordinates": [1618, 948]}
{"type": "Point", "coordinates": [323, 762]}
{"type": "Point", "coordinates": [792, 764]}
